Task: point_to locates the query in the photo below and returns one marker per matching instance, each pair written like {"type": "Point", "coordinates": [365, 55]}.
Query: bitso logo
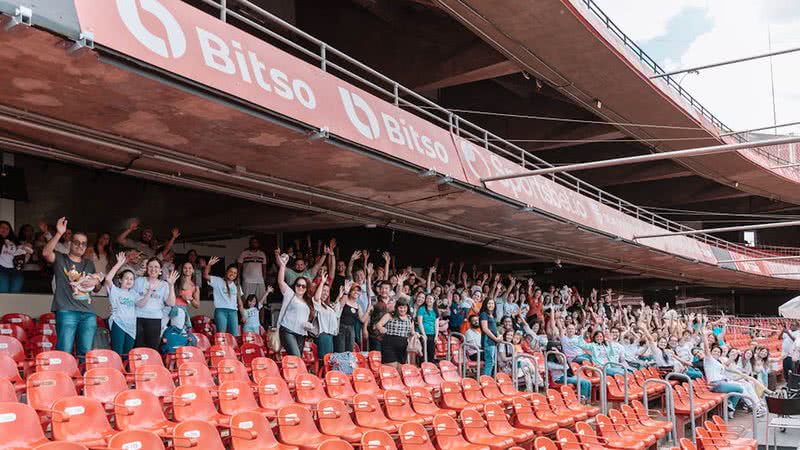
{"type": "Point", "coordinates": [175, 44]}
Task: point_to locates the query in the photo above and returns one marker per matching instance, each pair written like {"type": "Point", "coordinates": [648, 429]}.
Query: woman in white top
{"type": "Point", "coordinates": [124, 301]}
{"type": "Point", "coordinates": [297, 310]}
{"type": "Point", "coordinates": [327, 317]}
{"type": "Point", "coordinates": [717, 378]}
{"type": "Point", "coordinates": [12, 258]}
{"type": "Point", "coordinates": [160, 294]}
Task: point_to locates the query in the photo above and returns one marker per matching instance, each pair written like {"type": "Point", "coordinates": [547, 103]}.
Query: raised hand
{"type": "Point", "coordinates": [134, 224]}
{"type": "Point", "coordinates": [176, 232]}
{"type": "Point", "coordinates": [324, 279]}
{"type": "Point", "coordinates": [213, 260]}
{"type": "Point", "coordinates": [61, 225]}
{"type": "Point", "coordinates": [270, 289]}
{"type": "Point", "coordinates": [121, 258]}
{"type": "Point", "coordinates": [332, 244]}
{"type": "Point", "coordinates": [386, 256]}
{"type": "Point", "coordinates": [356, 255]}
{"type": "Point", "coordinates": [278, 259]}
{"type": "Point", "coordinates": [326, 250]}
{"type": "Point", "coordinates": [366, 254]}
{"type": "Point", "coordinates": [173, 277]}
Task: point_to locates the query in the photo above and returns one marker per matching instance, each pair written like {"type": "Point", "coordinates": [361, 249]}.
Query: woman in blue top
{"type": "Point", "coordinates": [489, 339]}
{"type": "Point", "coordinates": [428, 323]}
{"type": "Point", "coordinates": [602, 352]}
{"type": "Point", "coordinates": [227, 297]}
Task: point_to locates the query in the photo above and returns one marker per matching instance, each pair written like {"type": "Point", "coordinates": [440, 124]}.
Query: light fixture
{"type": "Point", "coordinates": [598, 104]}
{"type": "Point", "coordinates": [322, 133]}
{"type": "Point", "coordinates": [539, 84]}
{"type": "Point", "coordinates": [526, 75]}
{"type": "Point", "coordinates": [427, 173]}
{"type": "Point", "coordinates": [444, 180]}
{"type": "Point", "coordinates": [528, 208]}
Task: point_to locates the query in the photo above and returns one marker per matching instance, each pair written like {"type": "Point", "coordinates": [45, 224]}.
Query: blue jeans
{"type": "Point", "coordinates": [121, 342]}
{"type": "Point", "coordinates": [227, 321]}
{"type": "Point", "coordinates": [723, 387]}
{"type": "Point", "coordinates": [586, 385]}
{"type": "Point", "coordinates": [324, 344]}
{"type": "Point", "coordinates": [293, 343]}
{"type": "Point", "coordinates": [695, 373]}
{"type": "Point", "coordinates": [581, 358]}
{"type": "Point", "coordinates": [10, 280]}
{"type": "Point", "coordinates": [72, 324]}
{"type": "Point", "coordinates": [615, 371]}
{"type": "Point", "coordinates": [489, 354]}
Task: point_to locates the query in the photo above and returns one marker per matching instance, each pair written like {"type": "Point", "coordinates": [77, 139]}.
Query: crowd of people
{"type": "Point", "coordinates": [370, 302]}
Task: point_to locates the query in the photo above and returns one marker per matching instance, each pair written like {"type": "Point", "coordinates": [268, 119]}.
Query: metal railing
{"type": "Point", "coordinates": [603, 386]}
{"type": "Point", "coordinates": [688, 380]}
{"type": "Point", "coordinates": [463, 360]}
{"type": "Point", "coordinates": [514, 377]}
{"type": "Point", "coordinates": [624, 375]}
{"type": "Point", "coordinates": [671, 82]}
{"type": "Point", "coordinates": [725, 411]}
{"type": "Point", "coordinates": [254, 19]}
{"type": "Point", "coordinates": [669, 407]}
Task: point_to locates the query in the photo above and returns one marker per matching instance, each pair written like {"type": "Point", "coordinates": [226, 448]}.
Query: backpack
{"type": "Point", "coordinates": [174, 337]}
{"type": "Point", "coordinates": [343, 362]}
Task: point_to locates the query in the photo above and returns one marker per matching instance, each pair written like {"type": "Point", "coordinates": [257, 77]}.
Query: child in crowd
{"type": "Point", "coordinates": [250, 311]}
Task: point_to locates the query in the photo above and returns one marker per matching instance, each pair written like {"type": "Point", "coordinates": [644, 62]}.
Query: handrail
{"type": "Point", "coordinates": [457, 335]}
{"type": "Point", "coordinates": [563, 357]}
{"type": "Point", "coordinates": [670, 406]}
{"type": "Point", "coordinates": [463, 360]}
{"type": "Point", "coordinates": [416, 103]}
{"type": "Point", "coordinates": [725, 410]}
{"type": "Point", "coordinates": [497, 356]}
{"type": "Point", "coordinates": [514, 359]}
{"type": "Point", "coordinates": [684, 377]}
{"type": "Point", "coordinates": [624, 375]}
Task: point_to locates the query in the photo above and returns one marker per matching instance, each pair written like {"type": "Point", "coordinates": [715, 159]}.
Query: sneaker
{"type": "Point", "coordinates": [760, 412]}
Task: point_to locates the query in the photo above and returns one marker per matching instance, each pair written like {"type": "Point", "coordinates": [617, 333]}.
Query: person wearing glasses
{"type": "Point", "coordinates": [297, 309]}
{"type": "Point", "coordinates": [75, 280]}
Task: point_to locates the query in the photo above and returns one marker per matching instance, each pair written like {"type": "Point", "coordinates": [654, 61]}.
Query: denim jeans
{"type": "Point", "coordinates": [227, 321]}
{"type": "Point", "coordinates": [10, 280]}
{"type": "Point", "coordinates": [615, 371]}
{"type": "Point", "coordinates": [694, 373]}
{"type": "Point", "coordinates": [723, 387]}
{"type": "Point", "coordinates": [324, 344]}
{"type": "Point", "coordinates": [581, 358]}
{"type": "Point", "coordinates": [586, 385]}
{"type": "Point", "coordinates": [75, 324]}
{"type": "Point", "coordinates": [121, 342]}
{"type": "Point", "coordinates": [343, 342]}
{"type": "Point", "coordinates": [291, 342]}
{"type": "Point", "coordinates": [489, 355]}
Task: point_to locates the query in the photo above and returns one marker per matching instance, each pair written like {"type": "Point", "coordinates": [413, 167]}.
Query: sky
{"type": "Point", "coordinates": [686, 33]}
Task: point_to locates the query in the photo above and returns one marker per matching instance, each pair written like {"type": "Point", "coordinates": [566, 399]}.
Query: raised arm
{"type": "Point", "coordinates": [109, 280]}
{"type": "Point", "coordinates": [122, 239]}
{"type": "Point", "coordinates": [171, 279]}
{"type": "Point", "coordinates": [429, 284]}
{"type": "Point", "coordinates": [49, 250]}
{"type": "Point", "coordinates": [387, 260]}
{"type": "Point", "coordinates": [176, 232]}
{"type": "Point", "coordinates": [281, 272]}
{"type": "Point", "coordinates": [355, 256]}
{"type": "Point", "coordinates": [207, 268]}
{"type": "Point", "coordinates": [317, 265]}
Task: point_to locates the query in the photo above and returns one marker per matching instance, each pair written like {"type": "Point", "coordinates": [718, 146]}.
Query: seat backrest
{"type": "Point", "coordinates": [45, 388]}
{"type": "Point", "coordinates": [155, 379]}
{"type": "Point", "coordinates": [136, 439]}
{"type": "Point", "coordinates": [375, 360]}
{"type": "Point", "coordinates": [12, 347]}
{"type": "Point", "coordinates": [431, 374]}
{"type": "Point", "coordinates": [335, 444]}
{"type": "Point", "coordinates": [605, 426]}
{"type": "Point", "coordinates": [334, 419]}
{"type": "Point", "coordinates": [377, 440]}
{"type": "Point", "coordinates": [308, 389]}
{"type": "Point", "coordinates": [225, 339]}
{"type": "Point", "coordinates": [397, 405]}
{"type": "Point", "coordinates": [195, 373]}
{"type": "Point", "coordinates": [264, 367]}
{"type": "Point", "coordinates": [103, 384]}
{"type": "Point", "coordinates": [291, 366]}
{"type": "Point", "coordinates": [569, 395]}
{"type": "Point", "coordinates": [13, 330]}
{"type": "Point", "coordinates": [20, 426]}
{"type": "Point", "coordinates": [422, 400]}
{"type": "Point", "coordinates": [447, 432]}
{"type": "Point", "coordinates": [686, 444]}
{"type": "Point", "coordinates": [193, 403]}
{"type": "Point", "coordinates": [414, 437]}
{"type": "Point", "coordinates": [251, 431]}
{"type": "Point", "coordinates": [543, 443]}
{"type": "Point", "coordinates": [8, 369]}
{"type": "Point", "coordinates": [219, 352]}
{"type": "Point", "coordinates": [565, 436]}
{"type": "Point", "coordinates": [296, 425]}
{"type": "Point", "coordinates": [451, 392]}
{"type": "Point", "coordinates": [338, 385]}
{"type": "Point", "coordinates": [62, 445]}
{"type": "Point", "coordinates": [273, 393]}
{"type": "Point", "coordinates": [249, 337]}
{"type": "Point", "coordinates": [489, 386]}
{"type": "Point", "coordinates": [135, 409]}
{"type": "Point", "coordinates": [411, 375]}
{"type": "Point", "coordinates": [364, 382]}
{"type": "Point", "coordinates": [449, 371]}
{"type": "Point", "coordinates": [367, 409]}
{"type": "Point", "coordinates": [143, 356]}
{"type": "Point", "coordinates": [250, 351]}
{"type": "Point", "coordinates": [203, 342]}
{"type": "Point", "coordinates": [100, 357]}
{"type": "Point", "coordinates": [197, 434]}
{"type": "Point", "coordinates": [189, 353]}
{"type": "Point", "coordinates": [390, 378]}
{"type": "Point", "coordinates": [539, 403]}
{"type": "Point", "coordinates": [236, 397]}
{"type": "Point", "coordinates": [57, 361]}
{"type": "Point", "coordinates": [472, 390]}
{"type": "Point", "coordinates": [505, 384]}
{"type": "Point", "coordinates": [7, 391]}
{"type": "Point", "coordinates": [229, 369]}
{"type": "Point", "coordinates": [473, 422]}
{"type": "Point", "coordinates": [496, 418]}
{"type": "Point", "coordinates": [556, 400]}
{"type": "Point", "coordinates": [79, 419]}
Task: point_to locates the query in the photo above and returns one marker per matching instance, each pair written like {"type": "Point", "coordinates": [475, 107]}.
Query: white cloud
{"type": "Point", "coordinates": [739, 94]}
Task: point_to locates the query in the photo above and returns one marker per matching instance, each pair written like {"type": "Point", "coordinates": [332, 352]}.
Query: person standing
{"type": "Point", "coordinates": [428, 323]}
{"type": "Point", "coordinates": [297, 310]}
{"type": "Point", "coordinates": [124, 301]}
{"type": "Point", "coordinates": [12, 259]}
{"type": "Point", "coordinates": [159, 293]}
{"type": "Point", "coordinates": [490, 339]}
{"type": "Point", "coordinates": [75, 279]}
{"type": "Point", "coordinates": [253, 267]}
{"type": "Point", "coordinates": [789, 335]}
{"type": "Point", "coordinates": [227, 297]}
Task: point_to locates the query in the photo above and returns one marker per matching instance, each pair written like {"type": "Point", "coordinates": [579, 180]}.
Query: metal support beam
{"type": "Point", "coordinates": [720, 230]}
{"type": "Point", "coordinates": [785, 166]}
{"type": "Point", "coordinates": [702, 151]}
{"type": "Point", "coordinates": [766, 258]}
{"type": "Point", "coordinates": [781, 125]}
{"type": "Point", "coordinates": [725, 63]}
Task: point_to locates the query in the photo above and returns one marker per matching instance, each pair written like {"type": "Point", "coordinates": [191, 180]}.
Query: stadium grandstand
{"type": "Point", "coordinates": [381, 224]}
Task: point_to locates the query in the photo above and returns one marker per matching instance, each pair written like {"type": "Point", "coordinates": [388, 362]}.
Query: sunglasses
{"type": "Point", "coordinates": [77, 243]}
{"type": "Point", "coordinates": [300, 286]}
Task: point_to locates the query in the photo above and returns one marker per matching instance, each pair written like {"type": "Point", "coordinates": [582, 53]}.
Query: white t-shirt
{"type": "Point", "coordinates": [788, 343]}
{"type": "Point", "coordinates": [123, 309]}
{"type": "Point", "coordinates": [714, 370]}
{"type": "Point", "coordinates": [224, 297]}
{"type": "Point", "coordinates": [294, 313]}
{"type": "Point", "coordinates": [472, 337]}
{"type": "Point", "coordinates": [252, 262]}
{"type": "Point", "coordinates": [251, 319]}
{"type": "Point", "coordinates": [154, 307]}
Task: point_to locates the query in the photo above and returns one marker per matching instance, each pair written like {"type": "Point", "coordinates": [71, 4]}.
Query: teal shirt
{"type": "Point", "coordinates": [428, 319]}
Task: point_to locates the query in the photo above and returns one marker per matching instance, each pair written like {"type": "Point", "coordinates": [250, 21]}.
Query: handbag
{"type": "Point", "coordinates": [314, 331]}
{"type": "Point", "coordinates": [414, 345]}
{"type": "Point", "coordinates": [274, 340]}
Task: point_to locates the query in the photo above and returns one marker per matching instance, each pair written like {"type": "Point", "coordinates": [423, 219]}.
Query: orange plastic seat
{"type": "Point", "coordinates": [251, 431]}
{"type": "Point", "coordinates": [291, 366]}
{"type": "Point", "coordinates": [198, 435]}
{"type": "Point", "coordinates": [431, 374]}
{"type": "Point", "coordinates": [449, 371]}
{"type": "Point", "coordinates": [377, 440]}
{"type": "Point", "coordinates": [12, 348]}
{"type": "Point", "coordinates": [155, 379]}
{"type": "Point", "coordinates": [633, 424]}
{"type": "Point", "coordinates": [524, 417]}
{"type": "Point", "coordinates": [196, 403]}
{"type": "Point", "coordinates": [296, 427]}
{"type": "Point", "coordinates": [557, 404]}
{"type": "Point", "coordinates": [334, 420]}
{"type": "Point", "coordinates": [103, 358]}
{"type": "Point", "coordinates": [196, 373]}
{"type": "Point", "coordinates": [143, 356]}
{"type": "Point", "coordinates": [20, 428]}
{"type": "Point", "coordinates": [135, 409]}
{"type": "Point", "coordinates": [375, 361]}
{"type": "Point", "coordinates": [543, 443]}
{"type": "Point", "coordinates": [338, 386]}
{"type": "Point", "coordinates": [492, 391]}
{"type": "Point", "coordinates": [43, 389]}
{"type": "Point", "coordinates": [232, 370]}
{"type": "Point", "coordinates": [506, 386]}
{"type": "Point", "coordinates": [710, 442]}
{"type": "Point", "coordinates": [414, 437]}
{"type": "Point", "coordinates": [57, 361]}
{"type": "Point", "coordinates": [219, 352]}
{"type": "Point", "coordinates": [572, 402]}
{"type": "Point", "coordinates": [249, 337]}
{"type": "Point", "coordinates": [423, 403]}
{"type": "Point", "coordinates": [264, 367]}
{"type": "Point", "coordinates": [10, 371]}
{"type": "Point", "coordinates": [7, 391]}
{"type": "Point", "coordinates": [225, 339]}
{"type": "Point", "coordinates": [476, 431]}
{"type": "Point", "coordinates": [632, 412]}
{"type": "Point", "coordinates": [251, 351]}
{"type": "Point", "coordinates": [614, 433]}
{"type": "Point", "coordinates": [81, 420]}
{"type": "Point", "coordinates": [135, 439]}
{"type": "Point", "coordinates": [718, 429]}
{"type": "Point", "coordinates": [61, 446]}
{"type": "Point", "coordinates": [398, 408]}
{"type": "Point", "coordinates": [103, 384]}
{"type": "Point", "coordinates": [335, 444]}
{"type": "Point", "coordinates": [364, 382]}
{"type": "Point", "coordinates": [368, 414]}
{"type": "Point", "coordinates": [273, 394]}
{"type": "Point", "coordinates": [686, 444]}
{"type": "Point", "coordinates": [474, 394]}
{"type": "Point", "coordinates": [237, 397]}
{"type": "Point", "coordinates": [498, 424]}
{"type": "Point", "coordinates": [449, 437]}
{"type": "Point", "coordinates": [390, 379]}
{"type": "Point", "coordinates": [412, 377]}
{"type": "Point", "coordinates": [453, 398]}
{"type": "Point", "coordinates": [567, 440]}
{"type": "Point", "coordinates": [308, 389]}
{"type": "Point", "coordinates": [189, 353]}
{"type": "Point", "coordinates": [543, 411]}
